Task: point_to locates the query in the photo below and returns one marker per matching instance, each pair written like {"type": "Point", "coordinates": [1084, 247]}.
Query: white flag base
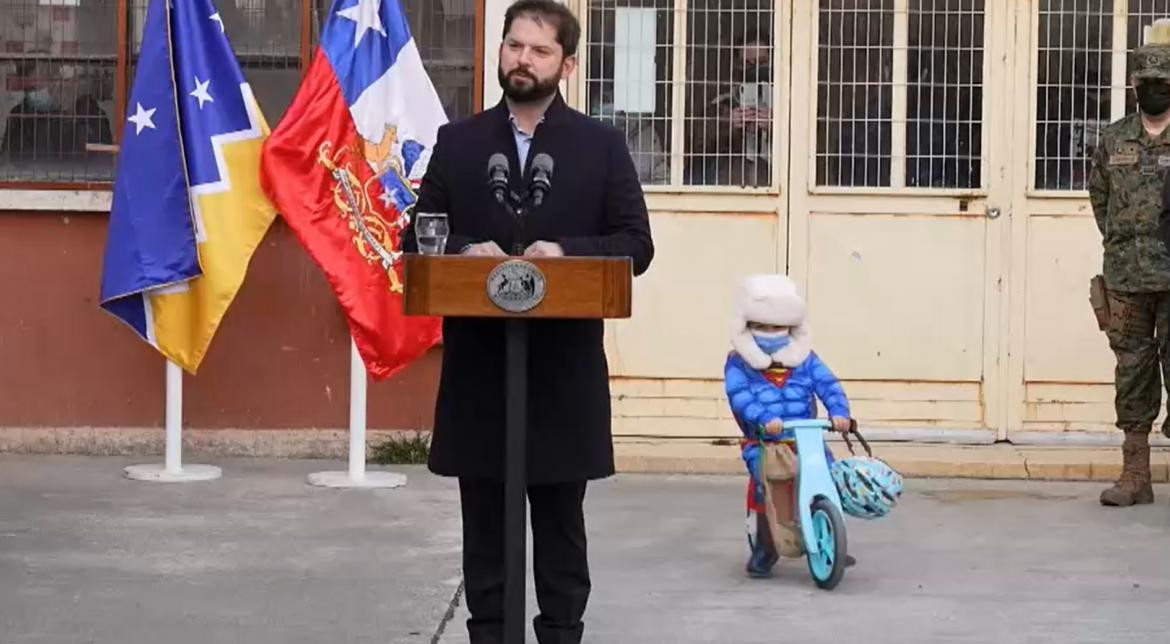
{"type": "Point", "coordinates": [159, 473]}
{"type": "Point", "coordinates": [357, 476]}
{"type": "Point", "coordinates": [173, 470]}
{"type": "Point", "coordinates": [369, 480]}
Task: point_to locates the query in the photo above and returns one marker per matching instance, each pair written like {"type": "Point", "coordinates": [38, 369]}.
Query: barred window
{"type": "Point", "coordinates": [900, 93]}
{"type": "Point", "coordinates": [265, 36]}
{"type": "Point", "coordinates": [1140, 15]}
{"type": "Point", "coordinates": [1073, 81]}
{"type": "Point", "coordinates": [709, 122]}
{"type": "Point", "coordinates": [944, 97]}
{"type": "Point", "coordinates": [444, 31]}
{"type": "Point", "coordinates": [57, 77]}
{"type": "Point", "coordinates": [628, 75]}
{"type": "Point", "coordinates": [62, 103]}
{"type": "Point", "coordinates": [855, 60]}
{"type": "Point", "coordinates": [729, 123]}
{"type": "Point", "coordinates": [1080, 87]}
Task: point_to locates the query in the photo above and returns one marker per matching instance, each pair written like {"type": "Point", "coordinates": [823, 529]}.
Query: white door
{"type": "Point", "coordinates": [900, 209]}
{"type": "Point", "coordinates": [1073, 59]}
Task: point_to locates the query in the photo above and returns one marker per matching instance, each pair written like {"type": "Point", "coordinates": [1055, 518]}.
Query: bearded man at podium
{"type": "Point", "coordinates": [493, 175]}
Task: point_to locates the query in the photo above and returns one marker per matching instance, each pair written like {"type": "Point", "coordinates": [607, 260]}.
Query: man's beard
{"type": "Point", "coordinates": [538, 90]}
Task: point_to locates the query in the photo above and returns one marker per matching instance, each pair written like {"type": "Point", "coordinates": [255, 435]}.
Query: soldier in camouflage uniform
{"type": "Point", "coordinates": [1126, 188]}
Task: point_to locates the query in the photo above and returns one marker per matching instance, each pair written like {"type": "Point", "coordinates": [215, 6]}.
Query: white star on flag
{"type": "Point", "coordinates": [387, 199]}
{"type": "Point", "coordinates": [141, 119]}
{"type": "Point", "coordinates": [201, 92]}
{"type": "Point", "coordinates": [216, 18]}
{"type": "Point", "coordinates": [365, 15]}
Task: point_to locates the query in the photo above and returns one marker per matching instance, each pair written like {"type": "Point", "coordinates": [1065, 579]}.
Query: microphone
{"type": "Point", "coordinates": [498, 176]}
{"type": "Point", "coordinates": [542, 169]}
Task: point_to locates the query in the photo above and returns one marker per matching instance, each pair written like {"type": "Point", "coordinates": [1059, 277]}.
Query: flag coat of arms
{"type": "Point", "coordinates": [344, 164]}
{"type": "Point", "coordinates": [188, 210]}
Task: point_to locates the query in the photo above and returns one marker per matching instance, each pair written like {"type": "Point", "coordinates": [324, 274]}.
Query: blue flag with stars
{"type": "Point", "coordinates": [188, 210]}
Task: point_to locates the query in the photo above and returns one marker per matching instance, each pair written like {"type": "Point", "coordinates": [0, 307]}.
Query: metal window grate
{"type": "Point", "coordinates": [1141, 14]}
{"type": "Point", "coordinates": [630, 50]}
{"type": "Point", "coordinates": [944, 101]}
{"type": "Point", "coordinates": [57, 75]}
{"type": "Point", "coordinates": [444, 31]}
{"type": "Point", "coordinates": [729, 123]}
{"type": "Point", "coordinates": [1073, 80]}
{"type": "Point", "coordinates": [266, 37]}
{"type": "Point", "coordinates": [1076, 88]}
{"type": "Point", "coordinates": [900, 93]}
{"type": "Point", "coordinates": [59, 64]}
{"type": "Point", "coordinates": [855, 59]}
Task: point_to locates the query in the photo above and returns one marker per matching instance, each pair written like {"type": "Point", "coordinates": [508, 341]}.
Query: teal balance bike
{"type": "Point", "coordinates": [818, 505]}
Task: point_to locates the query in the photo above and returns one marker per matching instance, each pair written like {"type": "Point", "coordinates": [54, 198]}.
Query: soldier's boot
{"type": "Point", "coordinates": [1134, 487]}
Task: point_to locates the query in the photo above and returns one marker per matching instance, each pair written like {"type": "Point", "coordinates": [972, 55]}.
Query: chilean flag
{"type": "Point", "coordinates": [344, 164]}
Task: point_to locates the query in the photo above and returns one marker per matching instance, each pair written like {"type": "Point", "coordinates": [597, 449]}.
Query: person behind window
{"type": "Point", "coordinates": [91, 122]}
{"type": "Point", "coordinates": [642, 139]}
{"type": "Point", "coordinates": [730, 121]}
{"type": "Point", "coordinates": [33, 126]}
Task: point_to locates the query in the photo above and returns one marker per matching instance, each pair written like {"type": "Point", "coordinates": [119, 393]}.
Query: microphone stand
{"type": "Point", "coordinates": [515, 206]}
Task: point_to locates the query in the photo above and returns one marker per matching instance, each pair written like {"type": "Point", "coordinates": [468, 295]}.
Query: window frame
{"type": "Point", "coordinates": [1118, 87]}
{"type": "Point", "coordinates": [781, 51]}
{"type": "Point", "coordinates": [88, 196]}
{"type": "Point", "coordinates": [121, 92]}
{"type": "Point", "coordinates": [899, 89]}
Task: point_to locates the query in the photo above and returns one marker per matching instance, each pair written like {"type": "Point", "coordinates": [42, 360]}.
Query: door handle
{"type": "Point", "coordinates": [993, 213]}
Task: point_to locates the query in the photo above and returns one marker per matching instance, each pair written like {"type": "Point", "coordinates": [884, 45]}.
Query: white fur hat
{"type": "Point", "coordinates": [770, 299]}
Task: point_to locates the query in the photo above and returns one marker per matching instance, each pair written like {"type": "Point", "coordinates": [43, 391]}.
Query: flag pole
{"type": "Point", "coordinates": [174, 419]}
{"type": "Point", "coordinates": [172, 469]}
{"type": "Point", "coordinates": [357, 476]}
{"type": "Point", "coordinates": [358, 386]}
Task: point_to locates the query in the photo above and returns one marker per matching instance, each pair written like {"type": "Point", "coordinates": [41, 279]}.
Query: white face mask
{"type": "Point", "coordinates": [771, 342]}
{"type": "Point", "coordinates": [41, 100]}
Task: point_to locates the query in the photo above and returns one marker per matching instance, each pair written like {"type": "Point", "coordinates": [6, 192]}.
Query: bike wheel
{"type": "Point", "coordinates": [827, 566]}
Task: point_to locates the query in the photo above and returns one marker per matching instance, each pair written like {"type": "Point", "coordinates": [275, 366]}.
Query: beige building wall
{"type": "Point", "coordinates": [950, 313]}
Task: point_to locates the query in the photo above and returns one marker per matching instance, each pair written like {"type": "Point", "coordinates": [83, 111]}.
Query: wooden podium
{"type": "Point", "coordinates": [517, 289]}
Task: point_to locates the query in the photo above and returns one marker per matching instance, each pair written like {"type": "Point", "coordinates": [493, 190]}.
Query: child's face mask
{"type": "Point", "coordinates": [770, 343]}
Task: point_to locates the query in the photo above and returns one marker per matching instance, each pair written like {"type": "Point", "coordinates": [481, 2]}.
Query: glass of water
{"type": "Point", "coordinates": [431, 230]}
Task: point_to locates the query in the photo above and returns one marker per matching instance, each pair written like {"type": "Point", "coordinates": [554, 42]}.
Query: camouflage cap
{"type": "Point", "coordinates": [1152, 61]}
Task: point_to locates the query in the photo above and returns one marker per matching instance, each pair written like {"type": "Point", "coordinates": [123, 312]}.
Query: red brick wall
{"type": "Point", "coordinates": [279, 360]}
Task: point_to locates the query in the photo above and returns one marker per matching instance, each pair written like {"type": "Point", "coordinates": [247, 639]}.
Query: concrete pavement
{"type": "Point", "coordinates": [260, 557]}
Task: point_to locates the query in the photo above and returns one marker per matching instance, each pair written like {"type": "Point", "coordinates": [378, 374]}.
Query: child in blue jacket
{"type": "Point", "coordinates": [772, 376]}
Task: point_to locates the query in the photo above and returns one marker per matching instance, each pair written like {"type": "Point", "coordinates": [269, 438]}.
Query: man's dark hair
{"type": "Point", "coordinates": [557, 14]}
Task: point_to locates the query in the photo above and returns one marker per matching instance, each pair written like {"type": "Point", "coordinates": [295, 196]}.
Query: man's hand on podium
{"type": "Point", "coordinates": [544, 249]}
{"type": "Point", "coordinates": [484, 249]}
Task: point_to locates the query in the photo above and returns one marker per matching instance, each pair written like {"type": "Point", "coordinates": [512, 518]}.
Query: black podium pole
{"type": "Point", "coordinates": [515, 458]}
{"type": "Point", "coordinates": [515, 488]}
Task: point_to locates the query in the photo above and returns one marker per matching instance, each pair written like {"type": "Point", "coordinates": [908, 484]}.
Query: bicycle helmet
{"type": "Point", "coordinates": [869, 488]}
